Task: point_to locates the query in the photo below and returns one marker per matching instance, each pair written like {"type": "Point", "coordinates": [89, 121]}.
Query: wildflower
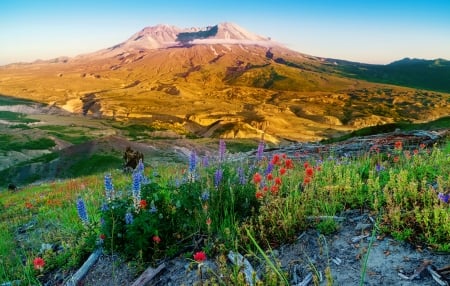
{"type": "Point", "coordinates": [218, 177]}
{"type": "Point", "coordinates": [444, 197]}
{"type": "Point", "coordinates": [379, 167]}
{"type": "Point", "coordinates": [241, 175]}
{"type": "Point", "coordinates": [143, 204]}
{"type": "Point", "coordinates": [222, 150]}
{"type": "Point", "coordinates": [136, 187]}
{"type": "Point", "coordinates": [398, 145]}
{"type": "Point", "coordinates": [306, 165]}
{"type": "Point", "coordinates": [275, 159]}
{"type": "Point", "coordinates": [81, 208]}
{"type": "Point", "coordinates": [422, 146]}
{"type": "Point", "coordinates": [416, 151]}
{"type": "Point", "coordinates": [200, 256]}
{"type": "Point", "coordinates": [156, 239]}
{"type": "Point", "coordinates": [128, 218]}
{"type": "Point", "coordinates": [265, 189]}
{"type": "Point", "coordinates": [282, 171]}
{"type": "Point", "coordinates": [269, 177]}
{"type": "Point", "coordinates": [205, 196]}
{"type": "Point", "coordinates": [104, 207]}
{"type": "Point", "coordinates": [288, 164]}
{"type": "Point", "coordinates": [109, 188]}
{"type": "Point", "coordinates": [257, 178]}
{"type": "Point", "coordinates": [307, 180]}
{"type": "Point", "coordinates": [205, 161]}
{"type": "Point", "coordinates": [153, 208]}
{"type": "Point", "coordinates": [192, 162]}
{"type": "Point", "coordinates": [260, 151]}
{"type": "Point", "coordinates": [274, 189]}
{"type": "Point", "coordinates": [208, 221]}
{"type": "Point", "coordinates": [277, 181]}
{"type": "Point", "coordinates": [269, 168]}
{"type": "Point", "coordinates": [28, 205]}
{"type": "Point", "coordinates": [309, 171]}
{"type": "Point", "coordinates": [38, 263]}
{"type": "Point", "coordinates": [396, 158]}
{"type": "Point", "coordinates": [102, 236]}
{"type": "Point", "coordinates": [140, 167]}
{"type": "Point", "coordinates": [259, 195]}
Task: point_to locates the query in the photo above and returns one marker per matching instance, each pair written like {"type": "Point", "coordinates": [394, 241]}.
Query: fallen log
{"type": "Point", "coordinates": [148, 275]}
{"type": "Point", "coordinates": [81, 273]}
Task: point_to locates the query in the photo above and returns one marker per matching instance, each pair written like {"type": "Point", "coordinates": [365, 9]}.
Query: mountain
{"type": "Point", "coordinates": [222, 81]}
{"type": "Point", "coordinates": [415, 73]}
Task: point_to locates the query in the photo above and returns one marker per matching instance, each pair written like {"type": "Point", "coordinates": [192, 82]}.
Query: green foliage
{"type": "Point", "coordinates": [67, 133]}
{"type": "Point", "coordinates": [12, 143]}
{"type": "Point", "coordinates": [423, 74]}
{"type": "Point", "coordinates": [136, 131]}
{"type": "Point", "coordinates": [16, 117]}
{"type": "Point", "coordinates": [443, 122]}
{"type": "Point", "coordinates": [9, 100]}
{"type": "Point", "coordinates": [96, 163]}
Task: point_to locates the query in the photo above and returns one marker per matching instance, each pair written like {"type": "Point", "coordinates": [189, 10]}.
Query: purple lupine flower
{"type": "Point", "coordinates": [192, 162]}
{"type": "Point", "coordinates": [205, 196]}
{"type": "Point", "coordinates": [128, 218]}
{"type": "Point", "coordinates": [109, 188]}
{"type": "Point", "coordinates": [153, 209]}
{"type": "Point", "coordinates": [379, 168]}
{"type": "Point", "coordinates": [260, 151]}
{"type": "Point", "coordinates": [177, 183]}
{"type": "Point", "coordinates": [241, 175]}
{"type": "Point", "coordinates": [269, 169]}
{"type": "Point", "coordinates": [218, 177]}
{"type": "Point", "coordinates": [140, 167]}
{"type": "Point", "coordinates": [104, 207]}
{"type": "Point", "coordinates": [444, 197]}
{"type": "Point", "coordinates": [81, 208]}
{"type": "Point", "coordinates": [222, 150]}
{"type": "Point", "coordinates": [136, 187]}
{"type": "Point", "coordinates": [205, 161]}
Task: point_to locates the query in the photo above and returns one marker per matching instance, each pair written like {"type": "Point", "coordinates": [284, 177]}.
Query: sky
{"type": "Point", "coordinates": [368, 31]}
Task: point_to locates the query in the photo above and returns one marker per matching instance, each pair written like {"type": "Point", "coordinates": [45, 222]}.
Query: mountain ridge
{"type": "Point", "coordinates": [221, 81]}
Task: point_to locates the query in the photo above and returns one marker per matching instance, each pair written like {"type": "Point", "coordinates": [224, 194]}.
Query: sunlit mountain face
{"type": "Point", "coordinates": [224, 81]}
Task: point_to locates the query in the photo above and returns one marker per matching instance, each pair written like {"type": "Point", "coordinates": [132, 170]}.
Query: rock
{"type": "Point", "coordinates": [362, 226]}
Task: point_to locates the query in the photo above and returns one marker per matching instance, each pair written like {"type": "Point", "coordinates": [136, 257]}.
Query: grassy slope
{"type": "Point", "coordinates": [422, 74]}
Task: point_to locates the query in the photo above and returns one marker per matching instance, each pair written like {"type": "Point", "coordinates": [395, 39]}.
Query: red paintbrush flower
{"type": "Point", "coordinates": [259, 195]}
{"type": "Point", "coordinates": [309, 171]}
{"type": "Point", "coordinates": [156, 239]}
{"type": "Point", "coordinates": [200, 256]}
{"type": "Point", "coordinates": [38, 263]}
{"type": "Point", "coordinates": [257, 178]}
{"type": "Point", "coordinates": [143, 204]}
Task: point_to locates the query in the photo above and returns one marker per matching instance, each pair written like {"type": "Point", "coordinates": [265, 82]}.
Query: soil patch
{"type": "Point", "coordinates": [344, 252]}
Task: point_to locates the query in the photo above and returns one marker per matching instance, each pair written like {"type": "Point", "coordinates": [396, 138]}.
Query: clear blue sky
{"type": "Point", "coordinates": [365, 30]}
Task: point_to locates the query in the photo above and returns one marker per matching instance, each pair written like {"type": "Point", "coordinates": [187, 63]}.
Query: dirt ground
{"type": "Point", "coordinates": [389, 261]}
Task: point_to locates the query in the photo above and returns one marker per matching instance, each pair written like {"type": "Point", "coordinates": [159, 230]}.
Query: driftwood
{"type": "Point", "coordinates": [131, 158]}
{"type": "Point", "coordinates": [148, 275]}
{"type": "Point", "coordinates": [249, 272]}
{"type": "Point", "coordinates": [359, 145]}
{"type": "Point", "coordinates": [81, 273]}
